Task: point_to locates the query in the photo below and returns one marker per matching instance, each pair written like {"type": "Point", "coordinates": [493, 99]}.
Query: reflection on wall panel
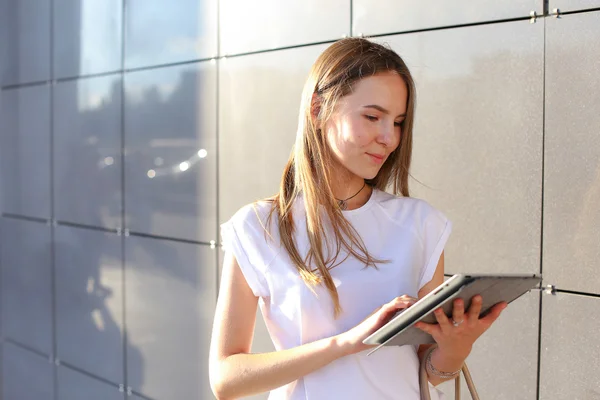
{"type": "Point", "coordinates": [569, 346]}
{"type": "Point", "coordinates": [170, 303]}
{"type": "Point", "coordinates": [25, 151]}
{"type": "Point", "coordinates": [87, 151]}
{"type": "Point", "coordinates": [572, 5]}
{"type": "Point", "coordinates": [170, 151]}
{"type": "Point", "coordinates": [162, 32]}
{"type": "Point", "coordinates": [24, 41]}
{"type": "Point", "coordinates": [25, 261]}
{"type": "Point", "coordinates": [73, 385]}
{"type": "Point", "coordinates": [25, 375]}
{"type": "Point", "coordinates": [389, 16]}
{"type": "Point", "coordinates": [89, 301]}
{"type": "Point", "coordinates": [269, 24]}
{"type": "Point", "coordinates": [477, 148]}
{"type": "Point", "coordinates": [572, 159]}
{"type": "Point", "coordinates": [87, 37]}
{"type": "Point", "coordinates": [259, 99]}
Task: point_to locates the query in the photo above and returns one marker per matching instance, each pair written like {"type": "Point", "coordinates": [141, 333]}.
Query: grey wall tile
{"type": "Point", "coordinates": [25, 375]}
{"type": "Point", "coordinates": [87, 151]}
{"type": "Point", "coordinates": [259, 97]}
{"type": "Point", "coordinates": [170, 151]}
{"type": "Point", "coordinates": [158, 32]}
{"type": "Point", "coordinates": [25, 151]}
{"type": "Point", "coordinates": [572, 5]}
{"type": "Point", "coordinates": [73, 385]}
{"type": "Point", "coordinates": [503, 362]}
{"type": "Point", "coordinates": [89, 301]}
{"type": "Point", "coordinates": [170, 300]}
{"type": "Point", "coordinates": [25, 29]}
{"type": "Point", "coordinates": [572, 159]}
{"type": "Point", "coordinates": [246, 27]}
{"type": "Point", "coordinates": [87, 37]}
{"type": "Point", "coordinates": [388, 16]}
{"type": "Point", "coordinates": [477, 148]}
{"type": "Point", "coordinates": [26, 283]}
{"type": "Point", "coordinates": [570, 348]}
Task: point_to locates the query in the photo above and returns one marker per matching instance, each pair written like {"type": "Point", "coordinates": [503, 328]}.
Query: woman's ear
{"type": "Point", "coordinates": [315, 109]}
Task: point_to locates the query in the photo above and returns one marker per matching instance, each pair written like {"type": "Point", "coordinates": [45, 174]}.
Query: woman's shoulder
{"type": "Point", "coordinates": [255, 214]}
{"type": "Point", "coordinates": [412, 212]}
{"type": "Point", "coordinates": [403, 206]}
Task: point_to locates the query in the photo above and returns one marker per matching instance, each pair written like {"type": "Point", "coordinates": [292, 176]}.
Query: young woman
{"type": "Point", "coordinates": [333, 245]}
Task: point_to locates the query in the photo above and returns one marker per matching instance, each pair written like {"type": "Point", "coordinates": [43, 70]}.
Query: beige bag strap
{"type": "Point", "coordinates": [424, 383]}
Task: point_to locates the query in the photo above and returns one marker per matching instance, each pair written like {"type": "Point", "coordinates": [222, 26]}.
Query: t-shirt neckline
{"type": "Point", "coordinates": [364, 207]}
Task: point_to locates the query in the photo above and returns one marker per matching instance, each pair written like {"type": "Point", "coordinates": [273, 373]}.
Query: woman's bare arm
{"type": "Point", "coordinates": [454, 343]}
{"type": "Point", "coordinates": [444, 363]}
{"type": "Point", "coordinates": [234, 372]}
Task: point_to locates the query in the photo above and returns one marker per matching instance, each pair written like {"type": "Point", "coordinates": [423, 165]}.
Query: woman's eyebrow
{"type": "Point", "coordinates": [383, 110]}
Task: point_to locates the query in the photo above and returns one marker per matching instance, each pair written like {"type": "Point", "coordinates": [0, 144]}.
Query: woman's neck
{"type": "Point", "coordinates": [353, 191]}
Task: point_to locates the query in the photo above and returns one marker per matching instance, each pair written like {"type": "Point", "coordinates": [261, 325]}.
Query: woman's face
{"type": "Point", "coordinates": [365, 127]}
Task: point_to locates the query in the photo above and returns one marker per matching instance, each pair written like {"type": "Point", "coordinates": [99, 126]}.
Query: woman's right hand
{"type": "Point", "coordinates": [352, 340]}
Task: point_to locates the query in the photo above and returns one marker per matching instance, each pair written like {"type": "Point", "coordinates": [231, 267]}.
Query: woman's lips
{"type": "Point", "coordinates": [377, 158]}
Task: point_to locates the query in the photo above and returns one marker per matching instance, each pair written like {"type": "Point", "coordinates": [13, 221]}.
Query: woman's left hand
{"type": "Point", "coordinates": [457, 341]}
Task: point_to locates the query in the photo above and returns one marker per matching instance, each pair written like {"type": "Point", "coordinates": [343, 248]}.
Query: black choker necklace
{"type": "Point", "coordinates": [344, 203]}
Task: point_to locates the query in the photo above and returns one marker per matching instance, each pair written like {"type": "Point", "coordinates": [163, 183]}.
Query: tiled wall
{"type": "Point", "coordinates": [129, 129]}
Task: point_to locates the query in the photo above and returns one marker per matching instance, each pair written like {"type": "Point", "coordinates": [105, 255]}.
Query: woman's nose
{"type": "Point", "coordinates": [386, 135]}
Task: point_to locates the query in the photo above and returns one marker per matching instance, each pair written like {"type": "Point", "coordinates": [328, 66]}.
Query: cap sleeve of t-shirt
{"type": "Point", "coordinates": [242, 240]}
{"type": "Point", "coordinates": [435, 233]}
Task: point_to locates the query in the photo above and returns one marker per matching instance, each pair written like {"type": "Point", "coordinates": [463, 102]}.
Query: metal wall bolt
{"type": "Point", "coordinates": [556, 13]}
{"type": "Point", "coordinates": [129, 391]}
{"type": "Point", "coordinates": [57, 362]}
{"type": "Point", "coordinates": [533, 16]}
{"type": "Point", "coordinates": [213, 244]}
{"type": "Point", "coordinates": [126, 232]}
{"type": "Point", "coordinates": [550, 289]}
{"type": "Point", "coordinates": [121, 388]}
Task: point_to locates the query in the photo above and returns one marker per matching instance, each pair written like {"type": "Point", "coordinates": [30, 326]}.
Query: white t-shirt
{"type": "Point", "coordinates": [408, 231]}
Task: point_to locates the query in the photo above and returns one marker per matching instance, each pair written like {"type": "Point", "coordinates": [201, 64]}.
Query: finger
{"type": "Point", "coordinates": [432, 329]}
{"type": "Point", "coordinates": [388, 310]}
{"type": "Point", "coordinates": [392, 307]}
{"type": "Point", "coordinates": [443, 321]}
{"type": "Point", "coordinates": [458, 313]}
{"type": "Point", "coordinates": [405, 297]}
{"type": "Point", "coordinates": [474, 309]}
{"type": "Point", "coordinates": [494, 313]}
{"type": "Point", "coordinates": [402, 301]}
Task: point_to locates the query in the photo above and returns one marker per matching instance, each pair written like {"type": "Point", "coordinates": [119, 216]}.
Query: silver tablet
{"type": "Point", "coordinates": [493, 289]}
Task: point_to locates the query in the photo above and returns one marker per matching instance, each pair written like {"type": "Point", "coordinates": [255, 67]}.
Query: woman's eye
{"type": "Point", "coordinates": [398, 123]}
{"type": "Point", "coordinates": [371, 118]}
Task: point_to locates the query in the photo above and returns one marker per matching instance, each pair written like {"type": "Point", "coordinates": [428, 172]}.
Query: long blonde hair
{"type": "Point", "coordinates": [333, 76]}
